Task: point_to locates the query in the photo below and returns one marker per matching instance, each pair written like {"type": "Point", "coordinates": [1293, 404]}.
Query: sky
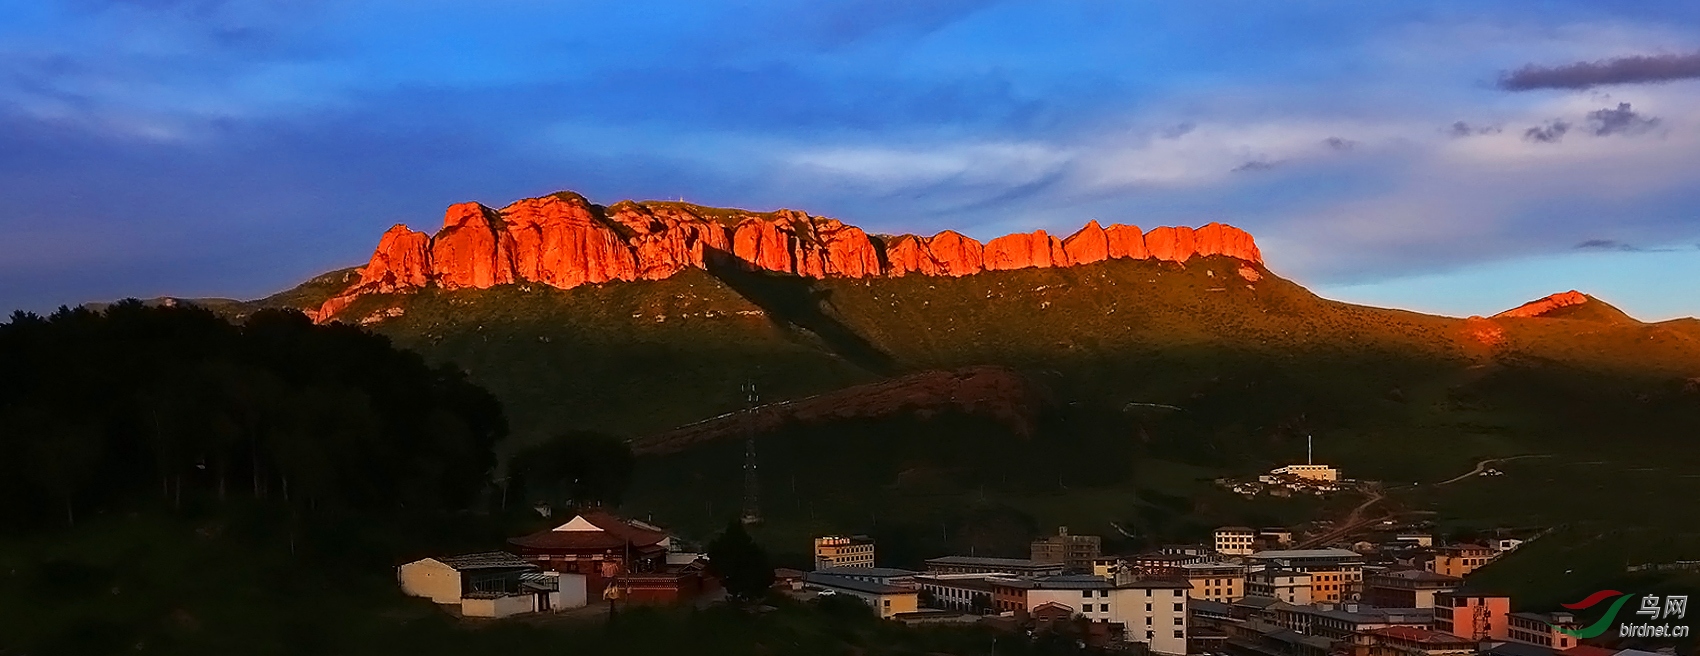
{"type": "Point", "coordinates": [1449, 157]}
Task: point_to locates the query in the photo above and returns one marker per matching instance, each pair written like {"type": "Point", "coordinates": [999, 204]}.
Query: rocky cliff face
{"type": "Point", "coordinates": [563, 240]}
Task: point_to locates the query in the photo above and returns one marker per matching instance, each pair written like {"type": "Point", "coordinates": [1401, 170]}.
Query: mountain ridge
{"type": "Point", "coordinates": [562, 240]}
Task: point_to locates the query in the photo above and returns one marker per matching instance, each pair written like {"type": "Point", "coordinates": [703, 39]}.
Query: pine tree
{"type": "Point", "coordinates": [740, 564]}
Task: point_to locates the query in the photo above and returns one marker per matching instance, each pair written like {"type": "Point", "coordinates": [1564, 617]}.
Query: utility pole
{"type": "Point", "coordinates": [1308, 459]}
{"type": "Point", "coordinates": [752, 507]}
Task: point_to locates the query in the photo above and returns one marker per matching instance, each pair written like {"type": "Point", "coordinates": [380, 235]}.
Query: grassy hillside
{"type": "Point", "coordinates": [1253, 363]}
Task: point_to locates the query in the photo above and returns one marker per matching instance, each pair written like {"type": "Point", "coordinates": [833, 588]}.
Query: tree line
{"type": "Point", "coordinates": [173, 405]}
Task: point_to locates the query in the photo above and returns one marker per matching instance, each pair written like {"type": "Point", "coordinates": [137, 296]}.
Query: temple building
{"type": "Point", "coordinates": [609, 550]}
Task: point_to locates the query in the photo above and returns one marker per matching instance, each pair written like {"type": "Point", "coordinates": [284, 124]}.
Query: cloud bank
{"type": "Point", "coordinates": [1639, 69]}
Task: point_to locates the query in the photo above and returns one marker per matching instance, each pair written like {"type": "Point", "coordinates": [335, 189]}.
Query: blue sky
{"type": "Point", "coordinates": [1381, 152]}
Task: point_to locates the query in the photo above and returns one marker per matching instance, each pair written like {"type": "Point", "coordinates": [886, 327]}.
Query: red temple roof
{"type": "Point", "coordinates": [594, 530]}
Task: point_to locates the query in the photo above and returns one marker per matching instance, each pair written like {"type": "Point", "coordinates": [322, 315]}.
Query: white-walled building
{"type": "Point", "coordinates": [1152, 611]}
{"type": "Point", "coordinates": [960, 592]}
{"type": "Point", "coordinates": [1235, 540]}
{"type": "Point", "coordinates": [492, 584]}
{"type": "Point", "coordinates": [1285, 585]}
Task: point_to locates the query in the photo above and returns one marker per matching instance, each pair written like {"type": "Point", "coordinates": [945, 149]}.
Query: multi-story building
{"type": "Point", "coordinates": [1542, 629]}
{"type": "Point", "coordinates": [1310, 472]}
{"type": "Point", "coordinates": [1235, 540]}
{"type": "Point", "coordinates": [1349, 623]}
{"type": "Point", "coordinates": [886, 600]}
{"type": "Point", "coordinates": [1335, 574]}
{"type": "Point", "coordinates": [1286, 585]}
{"type": "Point", "coordinates": [844, 551]}
{"type": "Point", "coordinates": [1406, 588]}
{"type": "Point", "coordinates": [1152, 611]}
{"type": "Point", "coordinates": [1162, 564]}
{"type": "Point", "coordinates": [1220, 582]}
{"type": "Point", "coordinates": [1474, 616]}
{"type": "Point", "coordinates": [1460, 559]}
{"type": "Point", "coordinates": [1074, 552]}
{"type": "Point", "coordinates": [1279, 537]}
{"type": "Point", "coordinates": [982, 565]}
{"type": "Point", "coordinates": [961, 592]}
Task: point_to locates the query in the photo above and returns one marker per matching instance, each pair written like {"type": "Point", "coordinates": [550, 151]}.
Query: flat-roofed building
{"type": "Point", "coordinates": [1152, 611]}
{"type": "Point", "coordinates": [960, 592]}
{"type": "Point", "coordinates": [886, 600]}
{"type": "Point", "coordinates": [844, 551]}
{"type": "Point", "coordinates": [1406, 588]}
{"type": "Point", "coordinates": [1335, 574]}
{"type": "Point", "coordinates": [1413, 641]}
{"type": "Point", "coordinates": [1074, 552]}
{"type": "Point", "coordinates": [1290, 586]}
{"type": "Point", "coordinates": [1347, 622]}
{"type": "Point", "coordinates": [1235, 540]}
{"type": "Point", "coordinates": [984, 565]}
{"type": "Point", "coordinates": [1219, 582]}
{"type": "Point", "coordinates": [1475, 616]}
{"type": "Point", "coordinates": [1460, 559]}
{"type": "Point", "coordinates": [1162, 564]}
{"type": "Point", "coordinates": [885, 575]}
{"type": "Point", "coordinates": [1542, 629]}
{"type": "Point", "coordinates": [1309, 472]}
{"type": "Point", "coordinates": [1280, 537]}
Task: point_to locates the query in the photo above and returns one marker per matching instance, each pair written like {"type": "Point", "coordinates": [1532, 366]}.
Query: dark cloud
{"type": "Point", "coordinates": [1339, 144]}
{"type": "Point", "coordinates": [1605, 245]}
{"type": "Point", "coordinates": [1462, 129]}
{"type": "Point", "coordinates": [1177, 131]}
{"type": "Point", "coordinates": [1622, 120]}
{"type": "Point", "coordinates": [1255, 165]}
{"type": "Point", "coordinates": [1552, 132]}
{"type": "Point", "coordinates": [1614, 245]}
{"type": "Point", "coordinates": [1622, 70]}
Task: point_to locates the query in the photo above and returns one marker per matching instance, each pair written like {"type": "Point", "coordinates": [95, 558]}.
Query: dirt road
{"type": "Point", "coordinates": [1483, 466]}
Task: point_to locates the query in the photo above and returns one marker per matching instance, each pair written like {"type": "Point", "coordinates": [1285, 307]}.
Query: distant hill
{"type": "Point", "coordinates": [1569, 305]}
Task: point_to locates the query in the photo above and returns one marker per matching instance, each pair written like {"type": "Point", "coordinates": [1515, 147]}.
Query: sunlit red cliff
{"type": "Point", "coordinates": [563, 240]}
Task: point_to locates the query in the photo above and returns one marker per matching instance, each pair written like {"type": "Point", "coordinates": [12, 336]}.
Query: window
{"type": "Point", "coordinates": [1103, 593]}
{"type": "Point", "coordinates": [1148, 620]}
{"type": "Point", "coordinates": [888, 603]}
{"type": "Point", "coordinates": [1150, 634]}
{"type": "Point", "coordinates": [1178, 593]}
{"type": "Point", "coordinates": [1180, 622]}
{"type": "Point", "coordinates": [1086, 594]}
{"type": "Point", "coordinates": [1179, 608]}
{"type": "Point", "coordinates": [1180, 634]}
{"type": "Point", "coordinates": [1148, 608]}
{"type": "Point", "coordinates": [1104, 608]}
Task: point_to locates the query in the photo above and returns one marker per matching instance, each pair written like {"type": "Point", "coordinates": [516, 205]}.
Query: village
{"type": "Point", "coordinates": [1382, 588]}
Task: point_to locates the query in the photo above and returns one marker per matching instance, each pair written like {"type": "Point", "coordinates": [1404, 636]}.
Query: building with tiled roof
{"type": "Point", "coordinates": [599, 546]}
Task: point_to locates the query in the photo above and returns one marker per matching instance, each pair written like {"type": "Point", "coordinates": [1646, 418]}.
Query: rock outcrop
{"type": "Point", "coordinates": [563, 240]}
{"type": "Point", "coordinates": [402, 262]}
{"type": "Point", "coordinates": [1020, 251]}
{"type": "Point", "coordinates": [1542, 306]}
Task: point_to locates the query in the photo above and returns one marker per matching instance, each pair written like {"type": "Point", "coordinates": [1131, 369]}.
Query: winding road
{"type": "Point", "coordinates": [1483, 465]}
